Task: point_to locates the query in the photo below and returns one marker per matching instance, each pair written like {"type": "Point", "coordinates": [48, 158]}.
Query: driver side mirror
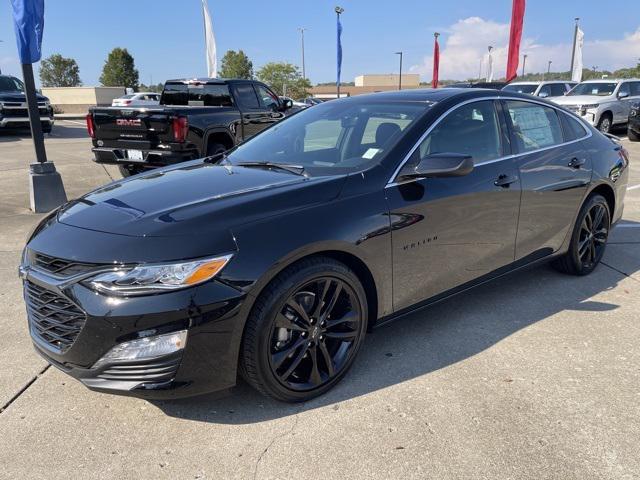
{"type": "Point", "coordinates": [623, 95]}
{"type": "Point", "coordinates": [440, 165]}
{"type": "Point", "coordinates": [543, 94]}
{"type": "Point", "coordinates": [287, 103]}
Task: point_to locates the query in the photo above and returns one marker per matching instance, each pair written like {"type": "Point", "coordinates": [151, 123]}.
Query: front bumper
{"type": "Point", "coordinates": [15, 122]}
{"type": "Point", "coordinates": [212, 314]}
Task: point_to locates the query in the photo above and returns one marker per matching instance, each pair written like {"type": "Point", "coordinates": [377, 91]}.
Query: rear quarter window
{"type": "Point", "coordinates": [572, 128]}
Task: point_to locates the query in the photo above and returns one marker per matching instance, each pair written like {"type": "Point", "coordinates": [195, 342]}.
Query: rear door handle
{"type": "Point", "coordinates": [505, 180]}
{"type": "Point", "coordinates": [577, 162]}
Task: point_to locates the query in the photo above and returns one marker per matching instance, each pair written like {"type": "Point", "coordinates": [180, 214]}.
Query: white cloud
{"type": "Point", "coordinates": [9, 65]}
{"type": "Point", "coordinates": [466, 42]}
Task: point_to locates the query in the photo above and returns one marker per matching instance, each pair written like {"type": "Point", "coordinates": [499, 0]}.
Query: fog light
{"type": "Point", "coordinates": [142, 348]}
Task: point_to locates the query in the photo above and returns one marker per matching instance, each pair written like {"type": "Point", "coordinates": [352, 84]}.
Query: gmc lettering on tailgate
{"type": "Point", "coordinates": [129, 122]}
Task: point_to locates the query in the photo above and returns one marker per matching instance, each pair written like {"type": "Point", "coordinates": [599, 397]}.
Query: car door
{"type": "Point", "coordinates": [554, 173]}
{"type": "Point", "coordinates": [270, 104]}
{"type": "Point", "coordinates": [254, 116]}
{"type": "Point", "coordinates": [450, 231]}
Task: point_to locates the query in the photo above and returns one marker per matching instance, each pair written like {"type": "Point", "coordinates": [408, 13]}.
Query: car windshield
{"type": "Point", "coordinates": [332, 137]}
{"type": "Point", "coordinates": [594, 88]}
{"type": "Point", "coordinates": [10, 84]}
{"type": "Point", "coordinates": [530, 89]}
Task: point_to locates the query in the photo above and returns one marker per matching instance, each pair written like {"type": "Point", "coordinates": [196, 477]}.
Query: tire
{"type": "Point", "coordinates": [633, 136]}
{"type": "Point", "coordinates": [605, 123]}
{"type": "Point", "coordinates": [128, 170]}
{"type": "Point", "coordinates": [282, 344]}
{"type": "Point", "coordinates": [586, 248]}
{"type": "Point", "coordinates": [215, 148]}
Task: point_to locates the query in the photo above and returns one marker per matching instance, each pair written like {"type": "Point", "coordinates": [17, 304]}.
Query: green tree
{"type": "Point", "coordinates": [119, 70]}
{"type": "Point", "coordinates": [284, 79]}
{"type": "Point", "coordinates": [58, 71]}
{"type": "Point", "coordinates": [236, 65]}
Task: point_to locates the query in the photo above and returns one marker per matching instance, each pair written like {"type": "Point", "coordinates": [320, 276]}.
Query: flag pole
{"type": "Point", "coordinates": [338, 11]}
{"type": "Point", "coordinates": [575, 40]}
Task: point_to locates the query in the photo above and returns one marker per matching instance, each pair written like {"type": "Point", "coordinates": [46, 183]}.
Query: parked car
{"type": "Point", "coordinates": [633, 127]}
{"type": "Point", "coordinates": [13, 106]}
{"type": "Point", "coordinates": [602, 103]}
{"type": "Point", "coordinates": [280, 255]}
{"type": "Point", "coordinates": [550, 89]}
{"type": "Point", "coordinates": [195, 118]}
{"type": "Point", "coordinates": [139, 99]}
{"type": "Point", "coordinates": [311, 101]}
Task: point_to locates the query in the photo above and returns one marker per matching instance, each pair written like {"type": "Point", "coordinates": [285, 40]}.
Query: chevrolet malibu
{"type": "Point", "coordinates": [274, 260]}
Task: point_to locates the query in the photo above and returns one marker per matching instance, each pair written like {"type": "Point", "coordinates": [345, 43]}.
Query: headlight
{"type": "Point", "coordinates": [154, 278]}
{"type": "Point", "coordinates": [589, 107]}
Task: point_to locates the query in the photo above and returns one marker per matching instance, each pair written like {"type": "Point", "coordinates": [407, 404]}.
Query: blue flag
{"type": "Point", "coordinates": [28, 22]}
{"type": "Point", "coordinates": [339, 50]}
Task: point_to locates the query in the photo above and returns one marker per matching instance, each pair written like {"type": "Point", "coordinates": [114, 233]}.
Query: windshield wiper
{"type": "Point", "coordinates": [297, 169]}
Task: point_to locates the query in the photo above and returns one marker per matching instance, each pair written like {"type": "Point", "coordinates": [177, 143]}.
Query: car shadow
{"type": "Point", "coordinates": [59, 131]}
{"type": "Point", "coordinates": [428, 340]}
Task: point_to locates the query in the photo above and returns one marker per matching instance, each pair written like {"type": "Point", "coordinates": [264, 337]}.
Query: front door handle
{"type": "Point", "coordinates": [577, 162]}
{"type": "Point", "coordinates": [505, 180]}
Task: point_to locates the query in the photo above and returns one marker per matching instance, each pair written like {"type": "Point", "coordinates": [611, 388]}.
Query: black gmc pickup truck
{"type": "Point", "coordinates": [195, 118]}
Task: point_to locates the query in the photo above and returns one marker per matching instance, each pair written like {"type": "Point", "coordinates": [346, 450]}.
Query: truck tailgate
{"type": "Point", "coordinates": [152, 125]}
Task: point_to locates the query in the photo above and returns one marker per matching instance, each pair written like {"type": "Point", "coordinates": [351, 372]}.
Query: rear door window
{"type": "Point", "coordinates": [246, 96]}
{"type": "Point", "coordinates": [534, 126]}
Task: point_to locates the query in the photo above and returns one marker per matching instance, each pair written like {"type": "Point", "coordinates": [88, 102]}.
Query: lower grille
{"type": "Point", "coordinates": [53, 319]}
{"type": "Point", "coordinates": [160, 371]}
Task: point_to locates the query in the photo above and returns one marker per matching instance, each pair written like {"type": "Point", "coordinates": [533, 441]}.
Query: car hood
{"type": "Point", "coordinates": [18, 97]}
{"type": "Point", "coordinates": [194, 199]}
{"type": "Point", "coordinates": [581, 99]}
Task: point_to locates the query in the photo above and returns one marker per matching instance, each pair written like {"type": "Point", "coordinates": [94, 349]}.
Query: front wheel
{"type": "Point", "coordinates": [605, 123]}
{"type": "Point", "coordinates": [589, 238]}
{"type": "Point", "coordinates": [304, 330]}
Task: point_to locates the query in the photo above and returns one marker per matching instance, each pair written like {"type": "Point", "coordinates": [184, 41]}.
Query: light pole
{"type": "Point", "coordinates": [544, 76]}
{"type": "Point", "coordinates": [524, 62]}
{"type": "Point", "coordinates": [301, 30]}
{"type": "Point", "coordinates": [400, 77]}
{"type": "Point", "coordinates": [339, 11]}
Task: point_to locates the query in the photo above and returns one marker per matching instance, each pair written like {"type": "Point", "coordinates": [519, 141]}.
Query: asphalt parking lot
{"type": "Point", "coordinates": [534, 376]}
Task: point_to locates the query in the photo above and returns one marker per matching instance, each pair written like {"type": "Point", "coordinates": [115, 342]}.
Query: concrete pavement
{"type": "Point", "coordinates": [536, 375]}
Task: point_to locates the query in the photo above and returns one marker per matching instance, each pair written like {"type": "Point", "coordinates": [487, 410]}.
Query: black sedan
{"type": "Point", "coordinates": [274, 259]}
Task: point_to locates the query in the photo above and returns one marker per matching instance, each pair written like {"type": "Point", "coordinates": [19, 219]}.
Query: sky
{"type": "Point", "coordinates": [166, 36]}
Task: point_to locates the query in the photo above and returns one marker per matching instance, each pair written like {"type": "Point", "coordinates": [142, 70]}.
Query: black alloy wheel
{"type": "Point", "coordinates": [589, 238]}
{"type": "Point", "coordinates": [305, 330]}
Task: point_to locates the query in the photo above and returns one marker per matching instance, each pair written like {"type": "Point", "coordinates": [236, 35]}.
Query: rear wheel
{"type": "Point", "coordinates": [633, 136]}
{"type": "Point", "coordinates": [589, 238]}
{"type": "Point", "coordinates": [605, 123]}
{"type": "Point", "coordinates": [128, 170]}
{"type": "Point", "coordinates": [305, 330]}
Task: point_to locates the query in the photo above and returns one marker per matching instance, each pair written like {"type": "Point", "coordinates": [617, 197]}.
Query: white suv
{"type": "Point", "coordinates": [602, 103]}
{"type": "Point", "coordinates": [550, 89]}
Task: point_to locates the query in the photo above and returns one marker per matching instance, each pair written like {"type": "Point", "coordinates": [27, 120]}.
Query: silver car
{"type": "Point", "coordinates": [602, 103]}
{"type": "Point", "coordinates": [550, 89]}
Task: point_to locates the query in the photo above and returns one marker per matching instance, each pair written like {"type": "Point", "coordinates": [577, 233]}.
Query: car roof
{"type": "Point", "coordinates": [437, 94]}
{"type": "Point", "coordinates": [611, 80]}
{"type": "Point", "coordinates": [209, 80]}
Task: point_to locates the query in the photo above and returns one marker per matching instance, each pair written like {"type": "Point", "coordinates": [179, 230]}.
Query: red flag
{"type": "Point", "coordinates": [436, 62]}
{"type": "Point", "coordinates": [517, 21]}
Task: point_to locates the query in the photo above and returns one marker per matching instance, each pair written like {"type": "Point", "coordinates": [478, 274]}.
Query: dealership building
{"type": "Point", "coordinates": [370, 83]}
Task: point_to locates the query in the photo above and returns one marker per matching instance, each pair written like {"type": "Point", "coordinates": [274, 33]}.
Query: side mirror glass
{"type": "Point", "coordinates": [287, 103]}
{"type": "Point", "coordinates": [543, 94]}
{"type": "Point", "coordinates": [623, 94]}
{"type": "Point", "coordinates": [440, 165]}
